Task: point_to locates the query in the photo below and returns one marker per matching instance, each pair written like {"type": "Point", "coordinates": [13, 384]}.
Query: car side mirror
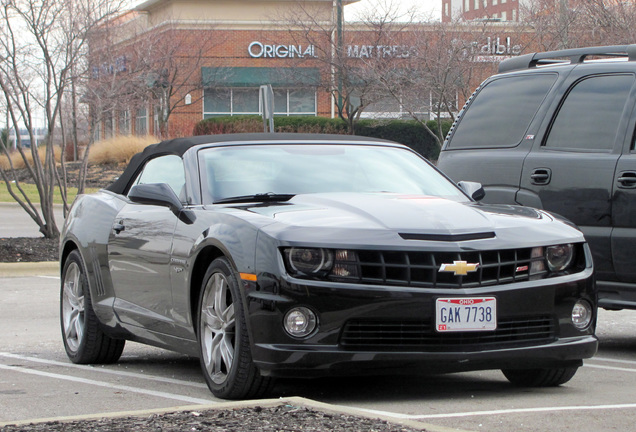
{"type": "Point", "coordinates": [159, 194]}
{"type": "Point", "coordinates": [473, 189]}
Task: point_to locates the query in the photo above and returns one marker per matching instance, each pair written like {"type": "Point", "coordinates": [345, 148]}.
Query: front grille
{"type": "Point", "coordinates": [422, 269]}
{"type": "Point", "coordinates": [383, 335]}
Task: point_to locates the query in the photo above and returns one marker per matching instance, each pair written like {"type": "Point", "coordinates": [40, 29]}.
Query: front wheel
{"type": "Point", "coordinates": [224, 346]}
{"type": "Point", "coordinates": [84, 340]}
{"type": "Point", "coordinates": [544, 377]}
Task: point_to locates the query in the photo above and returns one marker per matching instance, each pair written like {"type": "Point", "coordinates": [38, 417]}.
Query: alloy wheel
{"type": "Point", "coordinates": [218, 328]}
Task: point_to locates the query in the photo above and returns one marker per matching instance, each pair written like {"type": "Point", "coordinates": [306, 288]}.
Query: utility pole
{"type": "Point", "coordinates": [340, 45]}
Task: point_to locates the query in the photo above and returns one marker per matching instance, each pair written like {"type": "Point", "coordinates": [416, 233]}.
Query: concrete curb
{"type": "Point", "coordinates": [264, 403]}
{"type": "Point", "coordinates": [22, 269]}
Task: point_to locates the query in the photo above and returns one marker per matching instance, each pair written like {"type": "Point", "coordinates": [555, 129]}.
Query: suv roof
{"type": "Point", "coordinates": [567, 56]}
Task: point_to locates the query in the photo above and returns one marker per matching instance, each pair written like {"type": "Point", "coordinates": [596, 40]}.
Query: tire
{"type": "Point", "coordinates": [84, 340]}
{"type": "Point", "coordinates": [548, 377]}
{"type": "Point", "coordinates": [225, 356]}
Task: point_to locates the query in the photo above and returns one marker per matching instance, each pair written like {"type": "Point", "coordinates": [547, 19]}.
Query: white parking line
{"type": "Point", "coordinates": [497, 412]}
{"type": "Point", "coordinates": [105, 371]}
{"type": "Point", "coordinates": [107, 385]}
{"type": "Point", "coordinates": [610, 360]}
{"type": "Point", "coordinates": [613, 368]}
{"type": "Point", "coordinates": [523, 410]}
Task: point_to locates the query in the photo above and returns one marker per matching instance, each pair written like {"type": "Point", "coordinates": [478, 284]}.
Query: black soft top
{"type": "Point", "coordinates": [179, 146]}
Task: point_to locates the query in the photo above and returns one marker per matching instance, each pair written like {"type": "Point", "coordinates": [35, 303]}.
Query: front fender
{"type": "Point", "coordinates": [87, 229]}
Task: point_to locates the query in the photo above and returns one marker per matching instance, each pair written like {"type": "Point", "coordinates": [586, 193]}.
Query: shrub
{"type": "Point", "coordinates": [307, 124]}
{"type": "Point", "coordinates": [229, 124]}
{"type": "Point", "coordinates": [119, 149]}
{"type": "Point", "coordinates": [407, 132]}
{"type": "Point", "coordinates": [18, 162]}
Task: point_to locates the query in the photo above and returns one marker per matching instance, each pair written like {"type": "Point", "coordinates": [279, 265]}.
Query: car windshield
{"type": "Point", "coordinates": [270, 172]}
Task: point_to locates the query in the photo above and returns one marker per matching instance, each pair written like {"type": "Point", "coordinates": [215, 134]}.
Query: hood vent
{"type": "Point", "coordinates": [448, 237]}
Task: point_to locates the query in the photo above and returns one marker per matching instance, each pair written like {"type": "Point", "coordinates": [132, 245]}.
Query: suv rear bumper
{"type": "Point", "coordinates": [616, 295]}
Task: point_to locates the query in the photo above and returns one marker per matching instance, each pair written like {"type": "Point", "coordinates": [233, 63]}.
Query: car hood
{"type": "Point", "coordinates": [396, 217]}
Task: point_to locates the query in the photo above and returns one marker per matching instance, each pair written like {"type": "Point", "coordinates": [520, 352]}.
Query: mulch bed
{"type": "Point", "coordinates": [28, 249]}
{"type": "Point", "coordinates": [275, 419]}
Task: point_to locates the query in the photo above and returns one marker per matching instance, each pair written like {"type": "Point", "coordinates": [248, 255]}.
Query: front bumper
{"type": "Point", "coordinates": [534, 328]}
{"type": "Point", "coordinates": [301, 362]}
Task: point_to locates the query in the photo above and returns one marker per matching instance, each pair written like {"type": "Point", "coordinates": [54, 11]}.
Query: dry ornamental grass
{"type": "Point", "coordinates": [112, 151]}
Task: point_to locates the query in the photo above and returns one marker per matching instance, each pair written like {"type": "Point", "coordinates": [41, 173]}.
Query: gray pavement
{"type": "Point", "coordinates": [15, 222]}
{"type": "Point", "coordinates": [38, 381]}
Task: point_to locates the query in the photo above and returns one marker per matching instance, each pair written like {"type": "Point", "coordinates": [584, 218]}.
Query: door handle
{"type": "Point", "coordinates": [627, 180]}
{"type": "Point", "coordinates": [541, 176]}
{"type": "Point", "coordinates": [119, 227]}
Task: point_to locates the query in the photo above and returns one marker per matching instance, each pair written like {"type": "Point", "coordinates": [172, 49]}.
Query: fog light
{"type": "Point", "coordinates": [300, 322]}
{"type": "Point", "coordinates": [582, 314]}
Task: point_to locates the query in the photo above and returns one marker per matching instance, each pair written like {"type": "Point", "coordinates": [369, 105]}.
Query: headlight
{"type": "Point", "coordinates": [328, 264]}
{"type": "Point", "coordinates": [559, 257]}
{"type": "Point", "coordinates": [309, 260]}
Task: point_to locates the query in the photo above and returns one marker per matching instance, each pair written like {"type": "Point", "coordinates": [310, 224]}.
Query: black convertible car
{"type": "Point", "coordinates": [284, 255]}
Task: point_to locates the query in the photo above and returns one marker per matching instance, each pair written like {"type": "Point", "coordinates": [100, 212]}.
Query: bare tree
{"type": "Point", "coordinates": [132, 64]}
{"type": "Point", "coordinates": [350, 60]}
{"type": "Point", "coordinates": [562, 24]}
{"type": "Point", "coordinates": [610, 22]}
{"type": "Point", "coordinates": [444, 68]}
{"type": "Point", "coordinates": [40, 41]}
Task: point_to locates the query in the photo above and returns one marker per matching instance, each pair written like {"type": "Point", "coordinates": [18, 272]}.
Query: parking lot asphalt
{"type": "Point", "coordinates": [15, 222]}
{"type": "Point", "coordinates": [16, 411]}
{"type": "Point", "coordinates": [38, 381]}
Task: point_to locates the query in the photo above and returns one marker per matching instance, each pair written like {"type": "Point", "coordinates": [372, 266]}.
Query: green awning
{"type": "Point", "coordinates": [255, 76]}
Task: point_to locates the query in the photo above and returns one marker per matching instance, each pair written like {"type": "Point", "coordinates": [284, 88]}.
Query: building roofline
{"type": "Point", "coordinates": [148, 4]}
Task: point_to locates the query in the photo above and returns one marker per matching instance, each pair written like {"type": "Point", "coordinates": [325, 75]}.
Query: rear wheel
{"type": "Point", "coordinates": [225, 354]}
{"type": "Point", "coordinates": [84, 340]}
{"type": "Point", "coordinates": [545, 377]}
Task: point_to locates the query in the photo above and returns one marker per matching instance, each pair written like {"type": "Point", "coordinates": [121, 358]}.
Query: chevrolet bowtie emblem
{"type": "Point", "coordinates": [459, 267]}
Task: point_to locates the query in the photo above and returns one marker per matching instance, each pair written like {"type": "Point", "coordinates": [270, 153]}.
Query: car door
{"type": "Point", "coordinates": [139, 251]}
{"type": "Point", "coordinates": [488, 144]}
{"type": "Point", "coordinates": [571, 170]}
{"type": "Point", "coordinates": [624, 211]}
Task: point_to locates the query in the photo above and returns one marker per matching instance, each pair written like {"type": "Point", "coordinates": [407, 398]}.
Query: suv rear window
{"type": "Point", "coordinates": [501, 112]}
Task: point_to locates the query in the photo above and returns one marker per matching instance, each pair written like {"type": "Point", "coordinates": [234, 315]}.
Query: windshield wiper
{"type": "Point", "coordinates": [259, 197]}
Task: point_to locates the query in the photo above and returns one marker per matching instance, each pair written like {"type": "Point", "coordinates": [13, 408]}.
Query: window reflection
{"type": "Point", "coordinates": [302, 169]}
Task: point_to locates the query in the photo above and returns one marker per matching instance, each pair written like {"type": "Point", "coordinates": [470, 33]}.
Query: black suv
{"type": "Point", "coordinates": [556, 131]}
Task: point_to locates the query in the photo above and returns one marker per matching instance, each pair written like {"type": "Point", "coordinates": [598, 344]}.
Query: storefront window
{"type": "Point", "coordinates": [244, 101]}
{"type": "Point", "coordinates": [108, 125]}
{"type": "Point", "coordinates": [141, 121]}
{"type": "Point", "coordinates": [124, 122]}
{"type": "Point", "coordinates": [217, 101]}
{"type": "Point", "coordinates": [302, 101]}
{"type": "Point", "coordinates": [97, 132]}
{"type": "Point", "coordinates": [280, 101]}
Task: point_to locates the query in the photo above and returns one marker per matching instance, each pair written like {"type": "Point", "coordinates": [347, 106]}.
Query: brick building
{"type": "Point", "coordinates": [217, 53]}
{"type": "Point", "coordinates": [498, 10]}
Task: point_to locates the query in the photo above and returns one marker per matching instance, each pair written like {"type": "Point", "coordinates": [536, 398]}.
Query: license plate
{"type": "Point", "coordinates": [465, 314]}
